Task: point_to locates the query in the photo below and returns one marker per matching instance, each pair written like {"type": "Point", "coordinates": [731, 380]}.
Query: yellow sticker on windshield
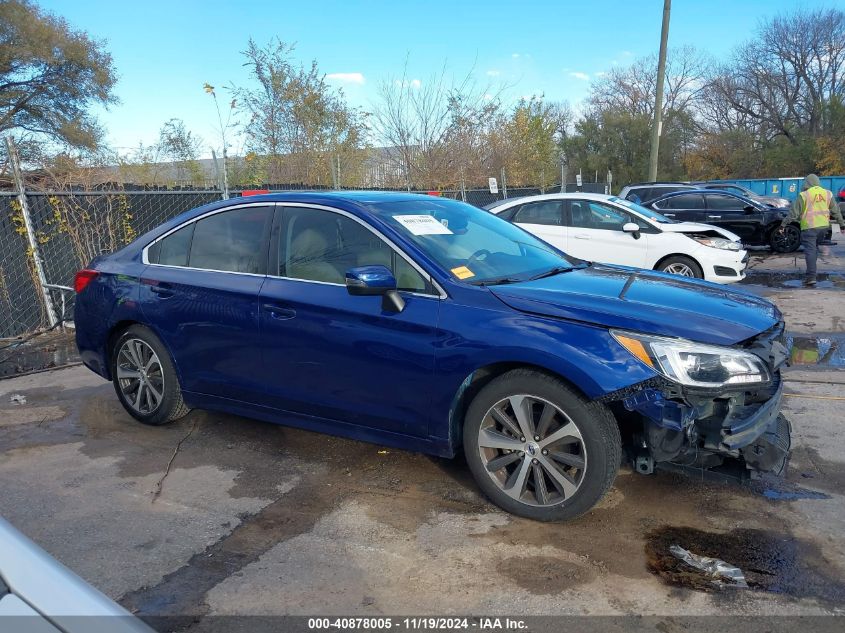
{"type": "Point", "coordinates": [462, 272]}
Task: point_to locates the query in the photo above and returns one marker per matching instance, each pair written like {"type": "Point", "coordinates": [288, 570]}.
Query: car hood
{"type": "Point", "coordinates": [695, 227]}
{"type": "Point", "coordinates": [774, 201]}
{"type": "Point", "coordinates": [644, 301]}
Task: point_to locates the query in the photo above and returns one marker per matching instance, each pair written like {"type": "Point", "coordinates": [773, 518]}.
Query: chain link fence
{"type": "Point", "coordinates": [73, 227]}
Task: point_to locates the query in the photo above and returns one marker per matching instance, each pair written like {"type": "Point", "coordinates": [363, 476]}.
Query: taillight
{"type": "Point", "coordinates": [83, 278]}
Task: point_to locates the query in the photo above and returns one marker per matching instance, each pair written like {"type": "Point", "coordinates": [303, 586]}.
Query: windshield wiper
{"type": "Point", "coordinates": [496, 281]}
{"type": "Point", "coordinates": [551, 272]}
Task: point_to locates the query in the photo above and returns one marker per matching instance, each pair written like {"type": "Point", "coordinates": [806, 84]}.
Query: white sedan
{"type": "Point", "coordinates": [612, 230]}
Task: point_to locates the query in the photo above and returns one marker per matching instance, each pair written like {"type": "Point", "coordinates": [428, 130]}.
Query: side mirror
{"type": "Point", "coordinates": [374, 281]}
{"type": "Point", "coordinates": [633, 229]}
{"type": "Point", "coordinates": [749, 209]}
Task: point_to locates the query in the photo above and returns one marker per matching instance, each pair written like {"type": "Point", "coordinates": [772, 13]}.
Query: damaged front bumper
{"type": "Point", "coordinates": [707, 429]}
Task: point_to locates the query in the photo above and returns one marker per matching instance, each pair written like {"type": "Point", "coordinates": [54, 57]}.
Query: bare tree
{"type": "Point", "coordinates": [781, 81]}
{"type": "Point", "coordinates": [435, 129]}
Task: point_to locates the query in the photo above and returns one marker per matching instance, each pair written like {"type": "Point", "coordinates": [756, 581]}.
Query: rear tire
{"type": "Point", "coordinates": [786, 242]}
{"type": "Point", "coordinates": [557, 477]}
{"type": "Point", "coordinates": [681, 266]}
{"type": "Point", "coordinates": [144, 377]}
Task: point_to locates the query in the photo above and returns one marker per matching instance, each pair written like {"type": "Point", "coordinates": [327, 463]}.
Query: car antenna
{"type": "Point", "coordinates": [628, 283]}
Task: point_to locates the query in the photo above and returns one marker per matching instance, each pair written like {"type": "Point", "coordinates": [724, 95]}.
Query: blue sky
{"type": "Point", "coordinates": [165, 51]}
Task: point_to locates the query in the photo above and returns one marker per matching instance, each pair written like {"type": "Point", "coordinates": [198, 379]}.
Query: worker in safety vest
{"type": "Point", "coordinates": [813, 209]}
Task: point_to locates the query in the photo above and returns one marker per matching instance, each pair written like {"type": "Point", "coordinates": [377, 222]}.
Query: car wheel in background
{"type": "Point", "coordinates": [145, 379]}
{"type": "Point", "coordinates": [680, 265]}
{"type": "Point", "coordinates": [538, 449]}
{"type": "Point", "coordinates": [786, 241]}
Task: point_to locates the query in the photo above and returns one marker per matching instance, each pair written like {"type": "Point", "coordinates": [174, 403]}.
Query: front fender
{"type": "Point", "coordinates": [585, 356]}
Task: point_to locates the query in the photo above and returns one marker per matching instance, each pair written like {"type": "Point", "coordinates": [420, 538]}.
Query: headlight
{"type": "Point", "coordinates": [718, 242]}
{"type": "Point", "coordinates": [695, 364]}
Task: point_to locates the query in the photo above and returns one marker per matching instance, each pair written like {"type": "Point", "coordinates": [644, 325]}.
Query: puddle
{"type": "Point", "coordinates": [771, 562]}
{"type": "Point", "coordinates": [42, 352]}
{"type": "Point", "coordinates": [831, 281]}
{"type": "Point", "coordinates": [825, 350]}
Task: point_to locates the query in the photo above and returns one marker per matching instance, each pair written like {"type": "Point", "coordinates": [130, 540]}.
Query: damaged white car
{"type": "Point", "coordinates": [612, 230]}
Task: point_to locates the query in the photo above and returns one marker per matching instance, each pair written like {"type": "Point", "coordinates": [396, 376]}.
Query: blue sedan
{"type": "Point", "coordinates": [430, 325]}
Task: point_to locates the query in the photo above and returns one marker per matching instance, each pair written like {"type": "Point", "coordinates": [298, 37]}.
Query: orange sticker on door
{"type": "Point", "coordinates": [462, 272]}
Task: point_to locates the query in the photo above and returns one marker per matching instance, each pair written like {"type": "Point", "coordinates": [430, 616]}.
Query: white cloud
{"type": "Point", "coordinates": [627, 53]}
{"type": "Point", "coordinates": [579, 75]}
{"type": "Point", "coordinates": [601, 73]}
{"type": "Point", "coordinates": [487, 96]}
{"type": "Point", "coordinates": [515, 55]}
{"type": "Point", "coordinates": [493, 73]}
{"type": "Point", "coordinates": [414, 83]}
{"type": "Point", "coordinates": [347, 78]}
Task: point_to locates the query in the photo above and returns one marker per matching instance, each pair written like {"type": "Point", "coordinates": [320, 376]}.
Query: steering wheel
{"type": "Point", "coordinates": [482, 252]}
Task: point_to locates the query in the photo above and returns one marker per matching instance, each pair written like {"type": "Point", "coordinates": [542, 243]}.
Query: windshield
{"type": "Point", "coordinates": [472, 244]}
{"type": "Point", "coordinates": [648, 213]}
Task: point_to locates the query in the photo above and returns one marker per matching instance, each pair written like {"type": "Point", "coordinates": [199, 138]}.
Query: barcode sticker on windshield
{"type": "Point", "coordinates": [422, 225]}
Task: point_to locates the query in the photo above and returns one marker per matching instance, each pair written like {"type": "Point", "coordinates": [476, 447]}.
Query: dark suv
{"type": "Point", "coordinates": [641, 192]}
{"type": "Point", "coordinates": [755, 223]}
{"type": "Point", "coordinates": [647, 191]}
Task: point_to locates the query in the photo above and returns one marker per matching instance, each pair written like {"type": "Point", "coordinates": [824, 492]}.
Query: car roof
{"type": "Point", "coordinates": [686, 192]}
{"type": "Point", "coordinates": [361, 197]}
{"type": "Point", "coordinates": [659, 183]}
{"type": "Point", "coordinates": [582, 195]}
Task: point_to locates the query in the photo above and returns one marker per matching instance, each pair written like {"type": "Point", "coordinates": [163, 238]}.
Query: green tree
{"type": "Point", "coordinates": [50, 77]}
{"type": "Point", "coordinates": [181, 148]}
{"type": "Point", "coordinates": [298, 124]}
{"type": "Point", "coordinates": [528, 141]}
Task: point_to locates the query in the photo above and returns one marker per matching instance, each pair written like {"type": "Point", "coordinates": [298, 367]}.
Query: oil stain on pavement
{"type": "Point", "coordinates": [771, 562]}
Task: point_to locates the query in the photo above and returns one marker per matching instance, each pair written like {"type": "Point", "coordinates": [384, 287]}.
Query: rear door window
{"type": "Point", "coordinates": [725, 203]}
{"type": "Point", "coordinates": [694, 201]}
{"type": "Point", "coordinates": [546, 212]}
{"type": "Point", "coordinates": [172, 250]}
{"type": "Point", "coordinates": [232, 241]}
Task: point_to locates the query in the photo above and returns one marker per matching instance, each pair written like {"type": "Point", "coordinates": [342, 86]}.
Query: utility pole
{"type": "Point", "coordinates": [658, 97]}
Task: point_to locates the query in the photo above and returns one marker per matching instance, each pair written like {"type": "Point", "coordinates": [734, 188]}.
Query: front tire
{"type": "Point", "coordinates": [786, 242]}
{"type": "Point", "coordinates": [539, 450]}
{"type": "Point", "coordinates": [144, 377]}
{"type": "Point", "coordinates": [682, 266]}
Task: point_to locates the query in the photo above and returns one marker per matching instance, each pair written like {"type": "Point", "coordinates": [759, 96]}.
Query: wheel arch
{"type": "Point", "coordinates": [659, 263]}
{"type": "Point", "coordinates": [119, 328]}
{"type": "Point", "coordinates": [481, 377]}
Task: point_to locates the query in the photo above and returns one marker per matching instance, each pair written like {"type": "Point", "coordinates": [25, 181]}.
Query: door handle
{"type": "Point", "coordinates": [714, 217]}
{"type": "Point", "coordinates": [162, 289]}
{"type": "Point", "coordinates": [581, 237]}
{"type": "Point", "coordinates": [278, 312]}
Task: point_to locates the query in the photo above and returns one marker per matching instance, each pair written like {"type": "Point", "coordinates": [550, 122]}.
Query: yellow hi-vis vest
{"type": "Point", "coordinates": [816, 214]}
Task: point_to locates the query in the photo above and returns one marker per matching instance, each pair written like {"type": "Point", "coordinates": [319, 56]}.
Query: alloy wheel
{"type": "Point", "coordinates": [140, 376]}
{"type": "Point", "coordinates": [786, 241]}
{"type": "Point", "coordinates": [679, 269]}
{"type": "Point", "coordinates": [532, 450]}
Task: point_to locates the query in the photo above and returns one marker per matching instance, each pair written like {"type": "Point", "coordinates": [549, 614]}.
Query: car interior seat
{"type": "Point", "coordinates": [312, 247]}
